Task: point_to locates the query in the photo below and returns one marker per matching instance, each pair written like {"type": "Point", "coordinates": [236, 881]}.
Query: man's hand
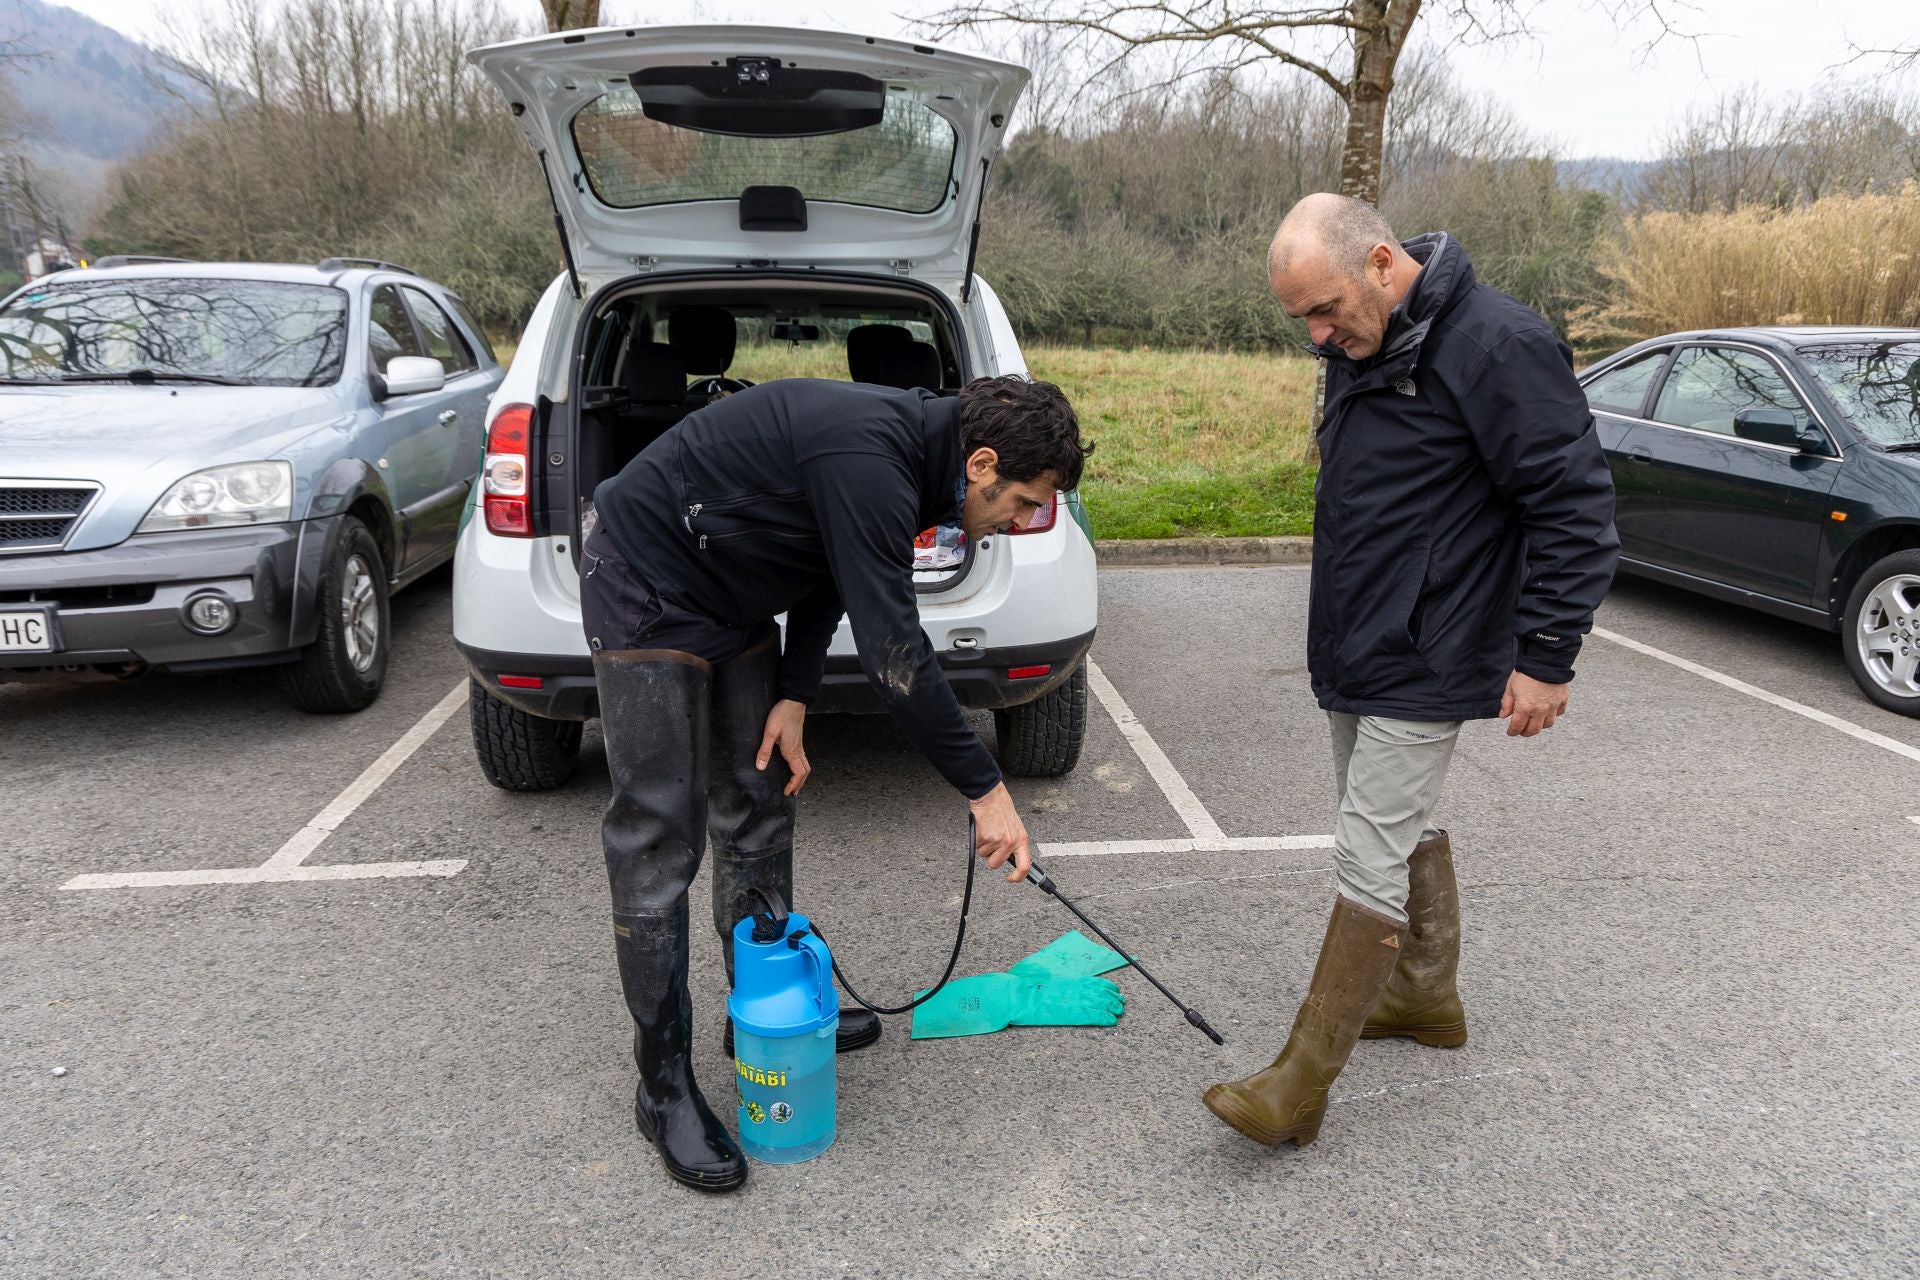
{"type": "Point", "coordinates": [999, 834]}
{"type": "Point", "coordinates": [1531, 705]}
{"type": "Point", "coordinates": [785, 724]}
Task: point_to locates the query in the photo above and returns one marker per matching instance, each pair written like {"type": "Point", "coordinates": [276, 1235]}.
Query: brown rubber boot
{"type": "Point", "coordinates": [1286, 1101]}
{"type": "Point", "coordinates": [1420, 999]}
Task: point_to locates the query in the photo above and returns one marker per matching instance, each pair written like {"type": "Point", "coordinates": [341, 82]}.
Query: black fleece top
{"type": "Point", "coordinates": [803, 496]}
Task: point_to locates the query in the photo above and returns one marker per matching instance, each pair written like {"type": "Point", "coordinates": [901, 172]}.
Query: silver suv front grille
{"type": "Point", "coordinates": [40, 515]}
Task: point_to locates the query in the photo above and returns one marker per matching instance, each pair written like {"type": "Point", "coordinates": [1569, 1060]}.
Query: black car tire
{"type": "Point", "coordinates": [518, 751]}
{"type": "Point", "coordinates": [342, 670]}
{"type": "Point", "coordinates": [1042, 738]}
{"type": "Point", "coordinates": [1900, 563]}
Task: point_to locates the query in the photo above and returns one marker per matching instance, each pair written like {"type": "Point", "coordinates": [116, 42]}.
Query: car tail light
{"type": "Point", "coordinates": [1042, 519]}
{"type": "Point", "coordinates": [1028, 673]}
{"type": "Point", "coordinates": [504, 475]}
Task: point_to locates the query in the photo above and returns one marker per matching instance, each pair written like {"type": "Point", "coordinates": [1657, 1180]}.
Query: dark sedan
{"type": "Point", "coordinates": [1778, 468]}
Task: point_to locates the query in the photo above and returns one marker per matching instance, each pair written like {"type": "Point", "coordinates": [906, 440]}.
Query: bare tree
{"type": "Point", "coordinates": [567, 15]}
{"type": "Point", "coordinates": [1353, 47]}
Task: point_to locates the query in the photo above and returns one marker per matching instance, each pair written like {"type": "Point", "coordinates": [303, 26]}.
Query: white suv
{"type": "Point", "coordinates": [788, 186]}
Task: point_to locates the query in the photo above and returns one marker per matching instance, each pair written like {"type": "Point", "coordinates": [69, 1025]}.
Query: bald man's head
{"type": "Point", "coordinates": [1335, 263]}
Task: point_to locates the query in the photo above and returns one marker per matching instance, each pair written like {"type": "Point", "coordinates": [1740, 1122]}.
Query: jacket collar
{"type": "Point", "coordinates": [1445, 276]}
{"type": "Point", "coordinates": [942, 466]}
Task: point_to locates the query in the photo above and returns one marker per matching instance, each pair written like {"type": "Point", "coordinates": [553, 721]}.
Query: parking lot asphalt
{"type": "Point", "coordinates": [1689, 965]}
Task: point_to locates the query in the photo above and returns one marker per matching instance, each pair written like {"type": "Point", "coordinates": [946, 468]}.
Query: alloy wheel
{"type": "Point", "coordinates": [360, 613]}
{"type": "Point", "coordinates": [1888, 635]}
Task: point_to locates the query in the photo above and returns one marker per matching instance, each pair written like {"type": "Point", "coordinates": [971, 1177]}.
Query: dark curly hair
{"type": "Point", "coordinates": [1028, 423]}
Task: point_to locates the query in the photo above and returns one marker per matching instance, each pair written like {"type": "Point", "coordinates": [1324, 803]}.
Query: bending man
{"type": "Point", "coordinates": [802, 497]}
{"type": "Point", "coordinates": [1463, 536]}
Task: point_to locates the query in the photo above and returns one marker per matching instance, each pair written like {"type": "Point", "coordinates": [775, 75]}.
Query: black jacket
{"type": "Point", "coordinates": [796, 496]}
{"type": "Point", "coordinates": [1463, 524]}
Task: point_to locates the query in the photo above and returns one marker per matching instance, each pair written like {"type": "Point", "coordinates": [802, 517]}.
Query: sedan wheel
{"type": "Point", "coordinates": [1882, 626]}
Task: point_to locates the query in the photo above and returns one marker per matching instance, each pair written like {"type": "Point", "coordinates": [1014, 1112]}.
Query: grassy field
{"type": "Point", "coordinates": [1189, 443]}
{"type": "Point", "coordinates": [1186, 443]}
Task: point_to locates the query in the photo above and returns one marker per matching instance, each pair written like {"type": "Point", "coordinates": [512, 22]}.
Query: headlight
{"type": "Point", "coordinates": [244, 493]}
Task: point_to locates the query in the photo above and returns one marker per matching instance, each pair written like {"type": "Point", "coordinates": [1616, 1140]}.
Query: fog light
{"type": "Point", "coordinates": [210, 614]}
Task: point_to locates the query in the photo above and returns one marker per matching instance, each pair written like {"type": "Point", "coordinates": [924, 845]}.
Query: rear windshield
{"type": "Point", "coordinates": [1876, 384]}
{"type": "Point", "coordinates": [260, 332]}
{"type": "Point", "coordinates": [904, 163]}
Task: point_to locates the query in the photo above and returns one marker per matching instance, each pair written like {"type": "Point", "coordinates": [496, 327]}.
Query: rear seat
{"type": "Point", "coordinates": [705, 336]}
{"type": "Point", "coordinates": [656, 399]}
{"type": "Point", "coordinates": [887, 355]}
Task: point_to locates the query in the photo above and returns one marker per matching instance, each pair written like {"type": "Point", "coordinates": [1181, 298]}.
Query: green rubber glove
{"type": "Point", "coordinates": [1071, 955]}
{"type": "Point", "coordinates": [995, 1001]}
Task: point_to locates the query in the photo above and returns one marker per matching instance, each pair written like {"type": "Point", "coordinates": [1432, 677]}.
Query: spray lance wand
{"type": "Point", "coordinates": [1043, 882]}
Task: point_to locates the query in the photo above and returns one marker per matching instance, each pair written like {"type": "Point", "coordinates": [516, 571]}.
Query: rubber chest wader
{"type": "Point", "coordinates": [654, 716]}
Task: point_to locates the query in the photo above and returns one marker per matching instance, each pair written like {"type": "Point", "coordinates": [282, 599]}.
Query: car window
{"type": "Point", "coordinates": [1876, 384]}
{"type": "Point", "coordinates": [632, 158]}
{"type": "Point", "coordinates": [260, 332]}
{"type": "Point", "coordinates": [465, 315]}
{"type": "Point", "coordinates": [444, 342]}
{"type": "Point", "coordinates": [1623, 388]}
{"type": "Point", "coordinates": [389, 333]}
{"type": "Point", "coordinates": [1708, 385]}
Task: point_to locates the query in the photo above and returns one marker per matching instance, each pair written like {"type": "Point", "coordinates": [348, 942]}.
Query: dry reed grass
{"type": "Point", "coordinates": [1840, 260]}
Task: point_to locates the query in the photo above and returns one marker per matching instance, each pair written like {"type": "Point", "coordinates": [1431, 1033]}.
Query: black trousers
{"type": "Point", "coordinates": [684, 701]}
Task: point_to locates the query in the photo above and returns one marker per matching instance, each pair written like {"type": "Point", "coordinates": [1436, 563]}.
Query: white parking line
{"type": "Point", "coordinates": [1814, 714]}
{"type": "Point", "coordinates": [286, 866]}
{"type": "Point", "coordinates": [1199, 822]}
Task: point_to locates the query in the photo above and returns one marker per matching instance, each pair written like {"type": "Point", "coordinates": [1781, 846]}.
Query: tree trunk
{"type": "Point", "coordinates": [566, 15]}
{"type": "Point", "coordinates": [1376, 52]}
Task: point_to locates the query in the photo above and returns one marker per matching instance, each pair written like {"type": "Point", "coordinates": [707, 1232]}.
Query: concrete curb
{"type": "Point", "coordinates": [1117, 553]}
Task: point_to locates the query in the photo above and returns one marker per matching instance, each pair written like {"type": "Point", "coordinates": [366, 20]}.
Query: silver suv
{"type": "Point", "coordinates": [213, 465]}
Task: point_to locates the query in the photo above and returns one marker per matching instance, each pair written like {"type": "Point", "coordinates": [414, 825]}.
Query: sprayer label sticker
{"type": "Point", "coordinates": [771, 1079]}
{"type": "Point", "coordinates": [781, 1112]}
{"type": "Point", "coordinates": [755, 1112]}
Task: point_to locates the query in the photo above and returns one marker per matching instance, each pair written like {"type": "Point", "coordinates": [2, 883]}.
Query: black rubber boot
{"type": "Point", "coordinates": [668, 1107]}
{"type": "Point", "coordinates": [751, 817]}
{"type": "Point", "coordinates": [654, 717]}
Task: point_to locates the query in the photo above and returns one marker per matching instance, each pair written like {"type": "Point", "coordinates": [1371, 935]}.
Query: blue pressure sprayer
{"type": "Point", "coordinates": [786, 1017]}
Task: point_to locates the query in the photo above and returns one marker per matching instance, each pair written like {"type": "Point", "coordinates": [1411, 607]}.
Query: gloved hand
{"type": "Point", "coordinates": [995, 1001]}
{"type": "Point", "coordinates": [1071, 955]}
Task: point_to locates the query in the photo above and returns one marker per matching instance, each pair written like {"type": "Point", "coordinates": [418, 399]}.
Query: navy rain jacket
{"type": "Point", "coordinates": [1463, 523]}
{"type": "Point", "coordinates": [804, 496]}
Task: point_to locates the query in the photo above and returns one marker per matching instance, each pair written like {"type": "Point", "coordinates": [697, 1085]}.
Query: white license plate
{"type": "Point", "coordinates": [27, 631]}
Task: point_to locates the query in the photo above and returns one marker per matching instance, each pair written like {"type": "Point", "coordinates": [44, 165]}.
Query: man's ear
{"type": "Point", "coordinates": [1380, 259]}
{"type": "Point", "coordinates": [983, 465]}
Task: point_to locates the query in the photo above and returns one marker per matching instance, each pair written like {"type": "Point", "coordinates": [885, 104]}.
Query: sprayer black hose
{"type": "Point", "coordinates": [959, 936]}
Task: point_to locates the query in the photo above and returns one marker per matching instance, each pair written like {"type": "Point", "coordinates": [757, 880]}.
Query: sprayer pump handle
{"type": "Point", "coordinates": [769, 927]}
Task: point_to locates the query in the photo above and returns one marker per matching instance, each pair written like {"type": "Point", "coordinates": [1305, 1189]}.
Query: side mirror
{"type": "Point", "coordinates": [1762, 426]}
{"type": "Point", "coordinates": [411, 375]}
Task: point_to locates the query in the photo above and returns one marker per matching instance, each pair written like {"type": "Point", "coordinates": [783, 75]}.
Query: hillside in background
{"type": "Point", "coordinates": [1621, 179]}
{"type": "Point", "coordinates": [86, 97]}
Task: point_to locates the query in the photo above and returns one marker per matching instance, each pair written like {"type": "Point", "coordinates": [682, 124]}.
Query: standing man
{"type": "Point", "coordinates": [1463, 536]}
{"type": "Point", "coordinates": [802, 497]}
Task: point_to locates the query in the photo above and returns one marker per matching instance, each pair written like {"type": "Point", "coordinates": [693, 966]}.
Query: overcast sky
{"type": "Point", "coordinates": [1592, 89]}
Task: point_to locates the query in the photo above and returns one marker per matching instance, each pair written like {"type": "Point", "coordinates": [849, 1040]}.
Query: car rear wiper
{"type": "Point", "coordinates": [147, 376]}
